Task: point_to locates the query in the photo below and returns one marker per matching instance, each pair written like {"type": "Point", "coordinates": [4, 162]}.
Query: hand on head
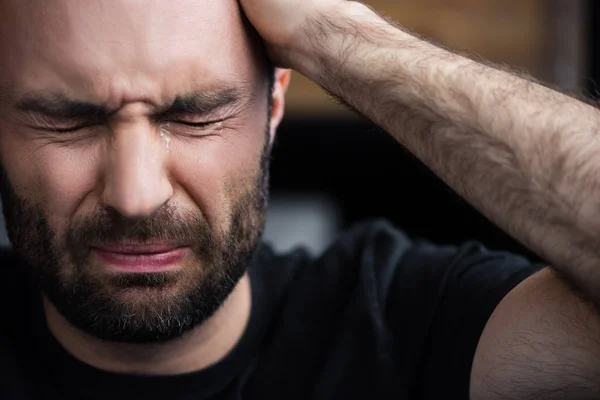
{"type": "Point", "coordinates": [282, 23]}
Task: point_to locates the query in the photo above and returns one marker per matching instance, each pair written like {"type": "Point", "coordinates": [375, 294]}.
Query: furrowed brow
{"type": "Point", "coordinates": [201, 103]}
{"type": "Point", "coordinates": [58, 106]}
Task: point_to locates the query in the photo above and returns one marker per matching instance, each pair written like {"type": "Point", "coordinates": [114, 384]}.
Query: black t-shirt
{"type": "Point", "coordinates": [377, 316]}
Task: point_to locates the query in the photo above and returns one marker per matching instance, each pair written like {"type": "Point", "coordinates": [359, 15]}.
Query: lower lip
{"type": "Point", "coordinates": [143, 262]}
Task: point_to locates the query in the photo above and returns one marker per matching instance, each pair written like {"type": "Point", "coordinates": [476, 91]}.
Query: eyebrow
{"type": "Point", "coordinates": [59, 106]}
{"type": "Point", "coordinates": [202, 103]}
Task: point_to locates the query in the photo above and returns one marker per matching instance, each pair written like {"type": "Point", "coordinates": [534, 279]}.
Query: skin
{"type": "Point", "coordinates": [134, 58]}
{"type": "Point", "coordinates": [525, 155]}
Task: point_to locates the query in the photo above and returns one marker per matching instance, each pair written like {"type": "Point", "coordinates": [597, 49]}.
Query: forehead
{"type": "Point", "coordinates": [120, 50]}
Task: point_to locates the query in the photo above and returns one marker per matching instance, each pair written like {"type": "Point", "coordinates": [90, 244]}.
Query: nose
{"type": "Point", "coordinates": [136, 177]}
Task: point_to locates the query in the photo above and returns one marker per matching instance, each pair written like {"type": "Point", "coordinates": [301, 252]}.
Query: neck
{"type": "Point", "coordinates": [201, 347]}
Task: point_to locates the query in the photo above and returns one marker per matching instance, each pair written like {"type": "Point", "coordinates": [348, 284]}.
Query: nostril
{"type": "Point", "coordinates": [137, 198]}
{"type": "Point", "coordinates": [140, 208]}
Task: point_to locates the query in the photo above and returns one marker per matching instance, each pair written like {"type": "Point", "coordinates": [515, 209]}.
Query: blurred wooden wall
{"type": "Point", "coordinates": [520, 33]}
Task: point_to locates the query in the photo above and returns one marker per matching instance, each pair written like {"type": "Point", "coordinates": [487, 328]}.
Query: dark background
{"type": "Point", "coordinates": [369, 175]}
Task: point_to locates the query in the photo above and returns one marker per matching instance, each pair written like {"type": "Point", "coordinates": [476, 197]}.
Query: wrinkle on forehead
{"type": "Point", "coordinates": [120, 49]}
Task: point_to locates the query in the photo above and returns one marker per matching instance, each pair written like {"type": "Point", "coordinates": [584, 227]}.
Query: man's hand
{"type": "Point", "coordinates": [280, 22]}
{"type": "Point", "coordinates": [286, 26]}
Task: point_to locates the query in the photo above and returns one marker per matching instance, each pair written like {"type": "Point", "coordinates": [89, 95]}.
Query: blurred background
{"type": "Point", "coordinates": [332, 169]}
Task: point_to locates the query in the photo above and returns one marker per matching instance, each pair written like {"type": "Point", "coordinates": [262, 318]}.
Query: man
{"type": "Point", "coordinates": [134, 140]}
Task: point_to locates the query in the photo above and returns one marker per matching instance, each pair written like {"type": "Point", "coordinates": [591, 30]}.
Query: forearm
{"type": "Point", "coordinates": [526, 156]}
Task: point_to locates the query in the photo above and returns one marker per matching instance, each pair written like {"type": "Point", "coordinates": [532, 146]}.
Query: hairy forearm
{"type": "Point", "coordinates": [526, 156]}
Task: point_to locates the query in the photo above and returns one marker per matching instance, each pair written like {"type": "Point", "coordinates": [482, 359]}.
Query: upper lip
{"type": "Point", "coordinates": [138, 248]}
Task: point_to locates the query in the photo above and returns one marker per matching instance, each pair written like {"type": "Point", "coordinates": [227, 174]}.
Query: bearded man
{"type": "Point", "coordinates": [134, 146]}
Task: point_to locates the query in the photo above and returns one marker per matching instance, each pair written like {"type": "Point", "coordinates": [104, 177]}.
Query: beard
{"type": "Point", "coordinates": [137, 307]}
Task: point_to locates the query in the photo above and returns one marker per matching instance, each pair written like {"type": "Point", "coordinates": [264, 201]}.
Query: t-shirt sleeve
{"type": "Point", "coordinates": [439, 301]}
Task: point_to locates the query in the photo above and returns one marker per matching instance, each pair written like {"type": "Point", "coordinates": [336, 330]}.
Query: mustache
{"type": "Point", "coordinates": [108, 225]}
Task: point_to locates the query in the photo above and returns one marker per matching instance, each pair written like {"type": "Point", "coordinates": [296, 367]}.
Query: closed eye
{"type": "Point", "coordinates": [65, 130]}
{"type": "Point", "coordinates": [196, 124]}
{"type": "Point", "coordinates": [84, 126]}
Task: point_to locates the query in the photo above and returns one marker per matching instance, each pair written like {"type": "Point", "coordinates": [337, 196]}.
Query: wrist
{"type": "Point", "coordinates": [326, 34]}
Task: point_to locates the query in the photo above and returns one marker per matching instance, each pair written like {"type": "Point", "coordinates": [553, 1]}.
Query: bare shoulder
{"type": "Point", "coordinates": [542, 342]}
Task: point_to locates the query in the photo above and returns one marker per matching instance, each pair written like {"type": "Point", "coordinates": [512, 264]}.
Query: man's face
{"type": "Point", "coordinates": [134, 141]}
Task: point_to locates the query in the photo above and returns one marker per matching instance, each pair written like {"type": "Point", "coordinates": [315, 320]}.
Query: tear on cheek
{"type": "Point", "coordinates": [166, 136]}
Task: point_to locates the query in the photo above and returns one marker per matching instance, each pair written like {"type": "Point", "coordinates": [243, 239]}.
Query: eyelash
{"type": "Point", "coordinates": [196, 124]}
{"type": "Point", "coordinates": [68, 130]}
{"type": "Point", "coordinates": [190, 124]}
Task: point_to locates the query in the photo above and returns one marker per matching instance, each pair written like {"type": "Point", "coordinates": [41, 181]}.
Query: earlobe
{"type": "Point", "coordinates": [282, 82]}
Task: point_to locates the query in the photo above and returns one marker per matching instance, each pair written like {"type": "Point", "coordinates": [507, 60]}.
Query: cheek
{"type": "Point", "coordinates": [58, 178]}
{"type": "Point", "coordinates": [215, 172]}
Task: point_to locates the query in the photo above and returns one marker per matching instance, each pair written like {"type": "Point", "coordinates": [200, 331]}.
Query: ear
{"type": "Point", "coordinates": [282, 82]}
